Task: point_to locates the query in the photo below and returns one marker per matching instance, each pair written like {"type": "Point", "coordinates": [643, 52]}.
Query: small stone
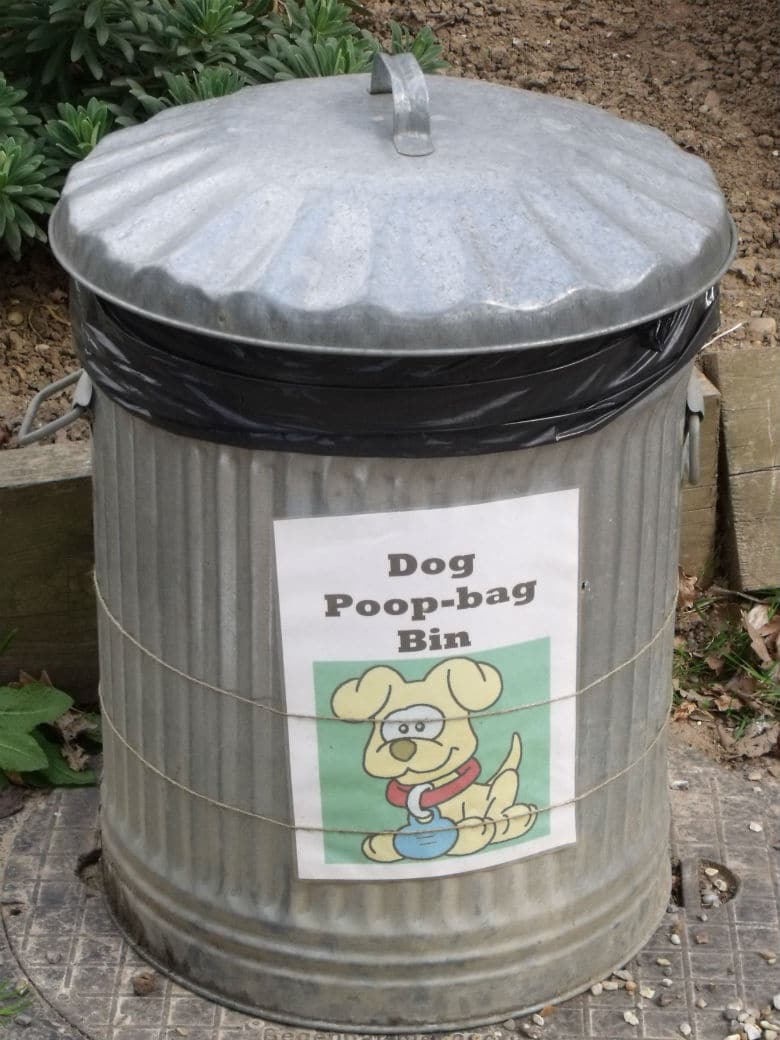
{"type": "Point", "coordinates": [597, 989]}
{"type": "Point", "coordinates": [667, 982]}
{"type": "Point", "coordinates": [703, 917]}
{"type": "Point", "coordinates": [144, 983]}
{"type": "Point", "coordinates": [647, 992]}
{"type": "Point", "coordinates": [770, 1034]}
{"type": "Point", "coordinates": [769, 956]}
{"type": "Point", "coordinates": [631, 987]}
{"type": "Point", "coordinates": [754, 777]}
{"type": "Point", "coordinates": [53, 956]}
{"type": "Point", "coordinates": [630, 1017]}
{"type": "Point", "coordinates": [182, 1032]}
{"type": "Point", "coordinates": [611, 985]}
{"type": "Point", "coordinates": [664, 1000]}
{"type": "Point", "coordinates": [734, 1036]}
{"type": "Point", "coordinates": [675, 939]}
{"type": "Point", "coordinates": [720, 884]}
{"type": "Point", "coordinates": [666, 972]}
{"type": "Point", "coordinates": [733, 1008]}
{"type": "Point", "coordinates": [752, 1031]}
{"type": "Point", "coordinates": [776, 1001]}
{"type": "Point", "coordinates": [763, 328]}
{"type": "Point", "coordinates": [701, 1003]}
{"type": "Point", "coordinates": [15, 318]}
{"type": "Point", "coordinates": [662, 962]}
{"type": "Point", "coordinates": [537, 1020]}
{"type": "Point", "coordinates": [626, 976]}
{"type": "Point", "coordinates": [510, 1025]}
{"type": "Point", "coordinates": [23, 1020]}
{"type": "Point", "coordinates": [685, 1028]}
{"type": "Point", "coordinates": [711, 871]}
{"type": "Point", "coordinates": [743, 1017]}
{"type": "Point", "coordinates": [680, 785]}
{"type": "Point", "coordinates": [755, 827]}
{"type": "Point", "coordinates": [701, 938]}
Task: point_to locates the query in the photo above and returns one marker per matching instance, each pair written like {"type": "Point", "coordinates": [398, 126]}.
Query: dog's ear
{"type": "Point", "coordinates": [362, 698]}
{"type": "Point", "coordinates": [475, 685]}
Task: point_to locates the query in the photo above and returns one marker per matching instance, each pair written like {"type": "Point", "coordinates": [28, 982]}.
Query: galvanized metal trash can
{"type": "Point", "coordinates": [388, 429]}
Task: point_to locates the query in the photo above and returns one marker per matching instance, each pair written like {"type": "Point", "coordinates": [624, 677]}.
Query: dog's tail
{"type": "Point", "coordinates": [513, 758]}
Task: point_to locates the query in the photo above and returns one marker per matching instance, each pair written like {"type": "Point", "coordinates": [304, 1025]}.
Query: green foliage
{"type": "Point", "coordinates": [71, 70]}
{"type": "Point", "coordinates": [13, 999]}
{"type": "Point", "coordinates": [424, 46]}
{"type": "Point", "coordinates": [727, 668]}
{"type": "Point", "coordinates": [25, 746]}
{"type": "Point", "coordinates": [305, 58]}
{"type": "Point", "coordinates": [6, 639]}
{"type": "Point", "coordinates": [14, 118]}
{"type": "Point", "coordinates": [78, 130]}
{"type": "Point", "coordinates": [27, 192]}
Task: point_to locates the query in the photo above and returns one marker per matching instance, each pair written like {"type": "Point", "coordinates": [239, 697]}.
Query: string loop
{"type": "Point", "coordinates": [351, 830]}
{"type": "Point", "coordinates": [331, 718]}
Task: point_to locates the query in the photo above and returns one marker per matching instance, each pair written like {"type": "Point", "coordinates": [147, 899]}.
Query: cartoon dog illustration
{"type": "Point", "coordinates": [423, 742]}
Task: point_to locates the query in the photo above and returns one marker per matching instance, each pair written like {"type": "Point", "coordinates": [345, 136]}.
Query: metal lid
{"type": "Point", "coordinates": [313, 214]}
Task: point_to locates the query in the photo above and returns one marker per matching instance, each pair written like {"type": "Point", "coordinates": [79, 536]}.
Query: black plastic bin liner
{"type": "Point", "coordinates": [254, 396]}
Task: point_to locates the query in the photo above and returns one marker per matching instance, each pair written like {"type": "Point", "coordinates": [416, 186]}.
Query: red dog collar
{"type": "Point", "coordinates": [398, 793]}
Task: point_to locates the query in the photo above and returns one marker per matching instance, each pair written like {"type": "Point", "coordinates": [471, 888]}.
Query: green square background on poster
{"type": "Point", "coordinates": [353, 800]}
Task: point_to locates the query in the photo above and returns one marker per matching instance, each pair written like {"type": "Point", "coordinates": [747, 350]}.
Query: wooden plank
{"type": "Point", "coordinates": [754, 508]}
{"type": "Point", "coordinates": [747, 377]}
{"type": "Point", "coordinates": [749, 384]}
{"type": "Point", "coordinates": [698, 502]}
{"type": "Point", "coordinates": [46, 571]}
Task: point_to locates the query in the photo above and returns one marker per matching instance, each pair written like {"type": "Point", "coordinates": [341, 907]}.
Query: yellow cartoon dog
{"type": "Point", "coordinates": [424, 743]}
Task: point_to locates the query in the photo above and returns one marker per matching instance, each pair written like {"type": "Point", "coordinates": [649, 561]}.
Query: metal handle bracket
{"type": "Point", "coordinates": [694, 413]}
{"type": "Point", "coordinates": [401, 76]}
{"type": "Point", "coordinates": [82, 397]}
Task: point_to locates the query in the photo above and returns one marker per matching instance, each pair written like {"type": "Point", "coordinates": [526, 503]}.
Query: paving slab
{"type": "Point", "coordinates": [59, 940]}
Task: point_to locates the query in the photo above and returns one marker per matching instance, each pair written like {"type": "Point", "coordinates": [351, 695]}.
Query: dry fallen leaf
{"type": "Point", "coordinates": [756, 640]}
{"type": "Point", "coordinates": [758, 616]}
{"type": "Point", "coordinates": [75, 756]}
{"type": "Point", "coordinates": [25, 679]}
{"type": "Point", "coordinates": [770, 633]}
{"type": "Point", "coordinates": [144, 983]}
{"type": "Point", "coordinates": [715, 663]}
{"type": "Point", "coordinates": [757, 740]}
{"type": "Point", "coordinates": [11, 801]}
{"type": "Point", "coordinates": [684, 710]}
{"type": "Point", "coordinates": [725, 702]}
{"type": "Point", "coordinates": [72, 724]}
{"type": "Point", "coordinates": [687, 591]}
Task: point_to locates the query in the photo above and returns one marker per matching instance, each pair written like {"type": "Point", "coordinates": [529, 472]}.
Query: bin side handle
{"type": "Point", "coordinates": [401, 76]}
{"type": "Point", "coordinates": [82, 397]}
{"type": "Point", "coordinates": [694, 413]}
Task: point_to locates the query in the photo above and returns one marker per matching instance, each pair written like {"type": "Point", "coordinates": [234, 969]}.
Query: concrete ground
{"type": "Point", "coordinates": [709, 972]}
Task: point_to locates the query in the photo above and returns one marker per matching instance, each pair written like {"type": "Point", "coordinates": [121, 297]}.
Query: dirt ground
{"type": "Point", "coordinates": [705, 71]}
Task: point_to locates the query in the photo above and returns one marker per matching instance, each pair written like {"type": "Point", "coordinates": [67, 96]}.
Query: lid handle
{"type": "Point", "coordinates": [401, 75]}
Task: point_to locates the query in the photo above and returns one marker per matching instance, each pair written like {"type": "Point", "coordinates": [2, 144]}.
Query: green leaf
{"type": "Point", "coordinates": [57, 771]}
{"type": "Point", "coordinates": [92, 13]}
{"type": "Point", "coordinates": [7, 639]}
{"type": "Point", "coordinates": [20, 752]}
{"type": "Point", "coordinates": [23, 709]}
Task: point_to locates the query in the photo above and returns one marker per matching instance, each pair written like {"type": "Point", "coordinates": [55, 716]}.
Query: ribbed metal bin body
{"type": "Point", "coordinates": [185, 562]}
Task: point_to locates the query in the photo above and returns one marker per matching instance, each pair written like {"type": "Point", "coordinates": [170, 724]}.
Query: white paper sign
{"type": "Point", "coordinates": [433, 653]}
